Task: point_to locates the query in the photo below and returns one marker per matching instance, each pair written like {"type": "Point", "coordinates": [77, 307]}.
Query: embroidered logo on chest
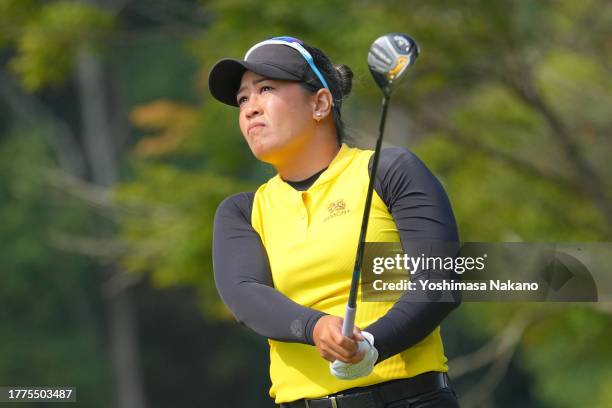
{"type": "Point", "coordinates": [336, 208]}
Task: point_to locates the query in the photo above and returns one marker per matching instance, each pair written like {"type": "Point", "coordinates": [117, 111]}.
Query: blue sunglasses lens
{"type": "Point", "coordinates": [306, 56]}
{"type": "Point", "coordinates": [288, 39]}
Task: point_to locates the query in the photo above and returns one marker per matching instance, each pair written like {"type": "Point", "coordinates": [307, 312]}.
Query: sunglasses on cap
{"type": "Point", "coordinates": [297, 45]}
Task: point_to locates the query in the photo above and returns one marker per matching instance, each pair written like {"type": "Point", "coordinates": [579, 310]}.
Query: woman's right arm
{"type": "Point", "coordinates": [244, 281]}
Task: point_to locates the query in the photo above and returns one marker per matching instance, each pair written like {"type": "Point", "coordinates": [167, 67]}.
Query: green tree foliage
{"type": "Point", "coordinates": [48, 37]}
{"type": "Point", "coordinates": [50, 332]}
{"type": "Point", "coordinates": [167, 226]}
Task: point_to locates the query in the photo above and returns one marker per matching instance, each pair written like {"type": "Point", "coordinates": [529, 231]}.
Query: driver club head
{"type": "Point", "coordinates": [389, 57]}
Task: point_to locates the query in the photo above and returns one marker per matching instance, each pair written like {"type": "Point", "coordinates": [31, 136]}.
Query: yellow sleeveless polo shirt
{"type": "Point", "coordinates": [311, 239]}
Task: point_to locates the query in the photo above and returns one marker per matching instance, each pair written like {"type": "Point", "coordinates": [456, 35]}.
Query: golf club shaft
{"type": "Point", "coordinates": [351, 307]}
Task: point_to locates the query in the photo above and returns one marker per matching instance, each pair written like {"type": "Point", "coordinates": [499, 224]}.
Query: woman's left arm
{"type": "Point", "coordinates": [423, 215]}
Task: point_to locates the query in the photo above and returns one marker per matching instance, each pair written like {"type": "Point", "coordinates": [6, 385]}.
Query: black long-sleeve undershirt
{"type": "Point", "coordinates": [422, 214]}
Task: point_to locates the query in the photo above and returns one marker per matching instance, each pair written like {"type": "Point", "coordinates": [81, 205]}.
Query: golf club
{"type": "Point", "coordinates": [388, 59]}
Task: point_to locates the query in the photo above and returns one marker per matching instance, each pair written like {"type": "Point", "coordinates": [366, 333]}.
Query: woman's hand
{"type": "Point", "coordinates": [332, 345]}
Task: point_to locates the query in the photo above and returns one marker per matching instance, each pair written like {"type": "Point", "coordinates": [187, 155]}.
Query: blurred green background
{"type": "Point", "coordinates": [113, 158]}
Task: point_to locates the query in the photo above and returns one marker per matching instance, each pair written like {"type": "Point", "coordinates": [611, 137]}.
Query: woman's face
{"type": "Point", "coordinates": [276, 117]}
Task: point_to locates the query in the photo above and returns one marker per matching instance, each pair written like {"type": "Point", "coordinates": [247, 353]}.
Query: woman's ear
{"type": "Point", "coordinates": [322, 104]}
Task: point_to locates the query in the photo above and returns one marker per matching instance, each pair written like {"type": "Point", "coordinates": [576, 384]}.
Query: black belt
{"type": "Point", "coordinates": [377, 395]}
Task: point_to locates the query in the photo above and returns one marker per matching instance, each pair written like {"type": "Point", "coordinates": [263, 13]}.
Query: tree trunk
{"type": "Point", "coordinates": [101, 157]}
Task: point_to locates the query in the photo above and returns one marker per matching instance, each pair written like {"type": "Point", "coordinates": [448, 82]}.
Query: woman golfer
{"type": "Point", "coordinates": [283, 255]}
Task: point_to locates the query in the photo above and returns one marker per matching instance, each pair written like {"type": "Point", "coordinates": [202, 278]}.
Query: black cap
{"type": "Point", "coordinates": [274, 61]}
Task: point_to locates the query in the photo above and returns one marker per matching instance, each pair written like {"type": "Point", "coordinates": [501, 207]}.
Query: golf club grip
{"type": "Point", "coordinates": [349, 321]}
